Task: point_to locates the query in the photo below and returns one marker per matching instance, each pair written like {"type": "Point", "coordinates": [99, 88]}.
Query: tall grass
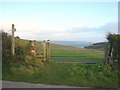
{"type": "Point", "coordinates": [85, 75]}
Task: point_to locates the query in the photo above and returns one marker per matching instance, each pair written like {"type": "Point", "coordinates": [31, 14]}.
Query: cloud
{"type": "Point", "coordinates": [95, 34]}
{"type": "Point", "coordinates": [25, 28]}
{"type": "Point", "coordinates": [109, 27]}
{"type": "Point", "coordinates": [40, 31]}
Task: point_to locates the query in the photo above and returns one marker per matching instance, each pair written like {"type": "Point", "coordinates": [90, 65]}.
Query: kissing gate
{"type": "Point", "coordinates": [41, 50]}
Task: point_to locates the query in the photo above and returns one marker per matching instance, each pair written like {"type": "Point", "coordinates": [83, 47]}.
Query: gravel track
{"type": "Point", "coordinates": [11, 84]}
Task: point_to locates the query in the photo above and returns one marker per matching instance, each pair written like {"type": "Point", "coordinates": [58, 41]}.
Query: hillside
{"type": "Point", "coordinates": [97, 46]}
{"type": "Point", "coordinates": [80, 44]}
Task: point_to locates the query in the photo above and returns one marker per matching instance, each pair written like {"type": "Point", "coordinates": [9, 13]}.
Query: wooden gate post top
{"type": "Point", "coordinates": [48, 41]}
{"type": "Point", "coordinates": [13, 28]}
{"type": "Point", "coordinates": [12, 25]}
{"type": "Point", "coordinates": [44, 41]}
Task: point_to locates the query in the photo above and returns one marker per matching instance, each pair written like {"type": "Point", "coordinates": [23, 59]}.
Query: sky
{"type": "Point", "coordinates": [60, 21]}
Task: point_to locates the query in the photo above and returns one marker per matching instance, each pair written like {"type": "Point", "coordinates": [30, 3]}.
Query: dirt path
{"type": "Point", "coordinates": [11, 84]}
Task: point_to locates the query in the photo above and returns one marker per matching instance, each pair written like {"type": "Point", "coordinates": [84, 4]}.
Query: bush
{"type": "Point", "coordinates": [6, 49]}
{"type": "Point", "coordinates": [22, 50]}
{"type": "Point", "coordinates": [113, 51]}
{"type": "Point", "coordinates": [114, 42]}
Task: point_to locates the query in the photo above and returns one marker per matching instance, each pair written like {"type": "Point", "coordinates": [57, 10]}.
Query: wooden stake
{"type": "Point", "coordinates": [48, 53]}
{"type": "Point", "coordinates": [44, 49]}
{"type": "Point", "coordinates": [13, 40]}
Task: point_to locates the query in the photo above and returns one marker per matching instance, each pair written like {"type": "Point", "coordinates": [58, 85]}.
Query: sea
{"type": "Point", "coordinates": [80, 44]}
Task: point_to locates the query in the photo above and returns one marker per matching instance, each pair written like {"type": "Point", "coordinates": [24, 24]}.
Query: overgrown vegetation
{"type": "Point", "coordinates": [113, 50]}
{"type": "Point", "coordinates": [24, 67]}
{"type": "Point", "coordinates": [22, 51]}
{"type": "Point", "coordinates": [114, 46]}
{"type": "Point", "coordinates": [84, 75]}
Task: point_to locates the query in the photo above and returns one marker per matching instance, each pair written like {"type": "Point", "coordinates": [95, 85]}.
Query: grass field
{"type": "Point", "coordinates": [61, 53]}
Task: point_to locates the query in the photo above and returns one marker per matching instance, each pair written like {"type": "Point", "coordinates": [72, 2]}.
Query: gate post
{"type": "Point", "coordinates": [13, 40]}
{"type": "Point", "coordinates": [48, 51]}
{"type": "Point", "coordinates": [44, 49]}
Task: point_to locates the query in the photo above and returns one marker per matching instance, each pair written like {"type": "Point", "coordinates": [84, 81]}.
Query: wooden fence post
{"type": "Point", "coordinates": [13, 40]}
{"type": "Point", "coordinates": [48, 51]}
{"type": "Point", "coordinates": [106, 54]}
{"type": "Point", "coordinates": [44, 49]}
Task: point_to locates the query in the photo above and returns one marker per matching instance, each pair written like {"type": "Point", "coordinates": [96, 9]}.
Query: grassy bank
{"type": "Point", "coordinates": [84, 75]}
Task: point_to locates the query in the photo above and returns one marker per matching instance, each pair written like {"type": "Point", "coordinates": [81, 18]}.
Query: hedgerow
{"type": "Point", "coordinates": [113, 50]}
{"type": "Point", "coordinates": [22, 50]}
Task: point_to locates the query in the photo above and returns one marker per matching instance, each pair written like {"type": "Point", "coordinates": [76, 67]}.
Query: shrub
{"type": "Point", "coordinates": [22, 50]}
{"type": "Point", "coordinates": [114, 42]}
{"type": "Point", "coordinates": [113, 50]}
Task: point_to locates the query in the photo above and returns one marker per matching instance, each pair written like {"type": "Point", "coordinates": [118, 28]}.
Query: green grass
{"type": "Point", "coordinates": [61, 53]}
{"type": "Point", "coordinates": [74, 74]}
{"type": "Point", "coordinates": [84, 75]}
